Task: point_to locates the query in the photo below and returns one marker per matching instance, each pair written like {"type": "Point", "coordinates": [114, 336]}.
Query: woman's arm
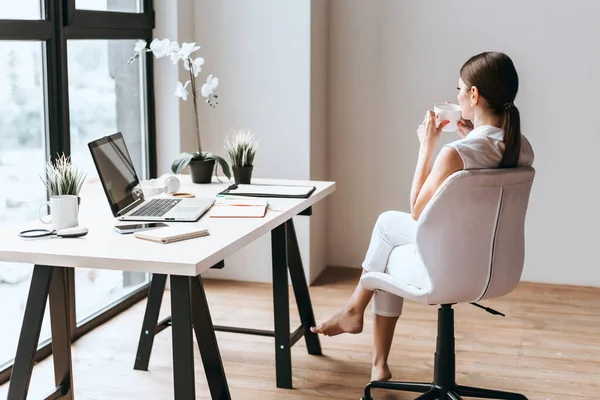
{"type": "Point", "coordinates": [428, 179]}
{"type": "Point", "coordinates": [422, 171]}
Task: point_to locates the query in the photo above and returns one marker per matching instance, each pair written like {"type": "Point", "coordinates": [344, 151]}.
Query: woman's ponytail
{"type": "Point", "coordinates": [495, 76]}
{"type": "Point", "coordinates": [511, 124]}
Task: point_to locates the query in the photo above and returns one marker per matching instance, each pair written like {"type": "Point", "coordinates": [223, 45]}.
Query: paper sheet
{"type": "Point", "coordinates": [239, 208]}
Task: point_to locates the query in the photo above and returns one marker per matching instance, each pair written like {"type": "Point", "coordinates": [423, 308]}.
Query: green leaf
{"type": "Point", "coordinates": [182, 161]}
{"type": "Point", "coordinates": [222, 163]}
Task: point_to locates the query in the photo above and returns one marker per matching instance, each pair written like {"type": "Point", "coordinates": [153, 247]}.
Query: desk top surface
{"type": "Point", "coordinates": [103, 248]}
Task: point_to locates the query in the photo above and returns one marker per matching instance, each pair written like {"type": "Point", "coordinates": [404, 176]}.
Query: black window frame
{"type": "Point", "coordinates": [60, 22]}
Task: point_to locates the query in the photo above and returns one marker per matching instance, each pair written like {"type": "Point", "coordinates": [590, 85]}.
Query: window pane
{"type": "Point", "coordinates": [22, 9]}
{"type": "Point", "coordinates": [105, 96]}
{"type": "Point", "coordinates": [22, 158]}
{"type": "Point", "coordinates": [132, 6]}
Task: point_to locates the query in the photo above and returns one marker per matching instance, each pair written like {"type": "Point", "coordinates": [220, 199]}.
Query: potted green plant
{"type": "Point", "coordinates": [201, 163]}
{"type": "Point", "coordinates": [63, 178]}
{"type": "Point", "coordinates": [242, 149]}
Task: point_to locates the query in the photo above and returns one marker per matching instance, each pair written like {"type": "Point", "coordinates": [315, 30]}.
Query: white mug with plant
{"type": "Point", "coordinates": [64, 182]}
{"type": "Point", "coordinates": [241, 149]}
{"type": "Point", "coordinates": [63, 178]}
{"type": "Point", "coordinates": [202, 163]}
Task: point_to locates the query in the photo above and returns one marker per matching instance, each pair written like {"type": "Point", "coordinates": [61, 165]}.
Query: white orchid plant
{"type": "Point", "coordinates": [166, 48]}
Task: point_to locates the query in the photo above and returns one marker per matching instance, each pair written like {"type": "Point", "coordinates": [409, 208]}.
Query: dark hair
{"type": "Point", "coordinates": [496, 78]}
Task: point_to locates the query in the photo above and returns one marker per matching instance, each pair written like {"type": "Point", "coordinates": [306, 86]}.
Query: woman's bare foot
{"type": "Point", "coordinates": [346, 321]}
{"type": "Point", "coordinates": [381, 373]}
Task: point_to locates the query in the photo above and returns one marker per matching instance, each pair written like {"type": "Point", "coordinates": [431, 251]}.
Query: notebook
{"type": "Point", "coordinates": [172, 234]}
{"type": "Point", "coordinates": [239, 208]}
{"type": "Point", "coordinates": [254, 190]}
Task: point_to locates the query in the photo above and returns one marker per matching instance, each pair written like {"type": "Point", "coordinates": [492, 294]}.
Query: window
{"type": "Point", "coordinates": [105, 97]}
{"type": "Point", "coordinates": [64, 81]}
{"type": "Point", "coordinates": [131, 6]}
{"type": "Point", "coordinates": [22, 156]}
{"type": "Point", "coordinates": [24, 9]}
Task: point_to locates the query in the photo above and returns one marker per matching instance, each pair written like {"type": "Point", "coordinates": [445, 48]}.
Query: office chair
{"type": "Point", "coordinates": [470, 245]}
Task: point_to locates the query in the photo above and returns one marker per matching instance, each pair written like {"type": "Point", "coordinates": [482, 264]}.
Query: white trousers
{"type": "Point", "coordinates": [393, 229]}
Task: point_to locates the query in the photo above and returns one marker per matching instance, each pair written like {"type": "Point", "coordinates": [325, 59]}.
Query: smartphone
{"type": "Point", "coordinates": [130, 228]}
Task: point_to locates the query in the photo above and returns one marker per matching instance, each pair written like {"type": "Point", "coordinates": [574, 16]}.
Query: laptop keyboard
{"type": "Point", "coordinates": [156, 208]}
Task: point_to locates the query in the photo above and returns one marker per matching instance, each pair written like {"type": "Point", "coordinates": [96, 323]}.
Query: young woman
{"type": "Point", "coordinates": [490, 131]}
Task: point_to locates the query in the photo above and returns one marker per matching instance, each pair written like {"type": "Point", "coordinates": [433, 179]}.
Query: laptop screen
{"type": "Point", "coordinates": [115, 170]}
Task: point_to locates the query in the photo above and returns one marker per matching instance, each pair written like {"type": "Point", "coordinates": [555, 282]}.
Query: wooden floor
{"type": "Point", "coordinates": [547, 347]}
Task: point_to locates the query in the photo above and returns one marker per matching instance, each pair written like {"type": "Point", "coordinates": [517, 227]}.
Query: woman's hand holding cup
{"type": "Point", "coordinates": [429, 132]}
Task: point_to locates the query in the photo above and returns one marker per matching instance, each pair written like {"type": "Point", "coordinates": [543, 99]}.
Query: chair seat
{"type": "Point", "coordinates": [405, 276]}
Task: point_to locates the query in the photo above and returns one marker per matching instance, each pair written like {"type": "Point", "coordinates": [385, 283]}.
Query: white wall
{"type": "Point", "coordinates": [175, 22]}
{"type": "Point", "coordinates": [260, 50]}
{"type": "Point", "coordinates": [261, 53]}
{"type": "Point", "coordinates": [391, 60]}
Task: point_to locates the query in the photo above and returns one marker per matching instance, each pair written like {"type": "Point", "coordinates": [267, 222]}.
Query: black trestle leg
{"type": "Point", "coordinates": [183, 348]}
{"type": "Point", "coordinates": [155, 296]}
{"type": "Point", "coordinates": [207, 343]}
{"type": "Point", "coordinates": [45, 282]}
{"type": "Point", "coordinates": [281, 308]}
{"type": "Point", "coordinates": [149, 327]}
{"type": "Point", "coordinates": [301, 292]}
{"type": "Point", "coordinates": [60, 325]}
{"type": "Point", "coordinates": [30, 332]}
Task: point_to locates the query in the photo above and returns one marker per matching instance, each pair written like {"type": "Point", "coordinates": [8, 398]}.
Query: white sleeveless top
{"type": "Point", "coordinates": [483, 148]}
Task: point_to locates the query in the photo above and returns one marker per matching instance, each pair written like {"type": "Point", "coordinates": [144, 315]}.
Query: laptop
{"type": "Point", "coordinates": [122, 187]}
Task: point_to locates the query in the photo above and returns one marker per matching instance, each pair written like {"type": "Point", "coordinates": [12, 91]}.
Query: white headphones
{"type": "Point", "coordinates": [170, 183]}
{"type": "Point", "coordinates": [164, 184]}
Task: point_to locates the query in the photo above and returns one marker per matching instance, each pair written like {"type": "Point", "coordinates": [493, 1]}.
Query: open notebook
{"type": "Point", "coordinates": [239, 208]}
{"type": "Point", "coordinates": [172, 234]}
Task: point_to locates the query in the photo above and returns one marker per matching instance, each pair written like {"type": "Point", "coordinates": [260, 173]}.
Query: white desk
{"type": "Point", "coordinates": [184, 261]}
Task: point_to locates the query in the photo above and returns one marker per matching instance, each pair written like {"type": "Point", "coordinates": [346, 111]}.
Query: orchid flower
{"type": "Point", "coordinates": [159, 47]}
{"type": "Point", "coordinates": [209, 87]}
{"type": "Point", "coordinates": [194, 65]}
{"type": "Point", "coordinates": [140, 46]}
{"type": "Point", "coordinates": [138, 49]}
{"type": "Point", "coordinates": [180, 90]}
{"type": "Point", "coordinates": [187, 49]}
{"type": "Point", "coordinates": [175, 52]}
